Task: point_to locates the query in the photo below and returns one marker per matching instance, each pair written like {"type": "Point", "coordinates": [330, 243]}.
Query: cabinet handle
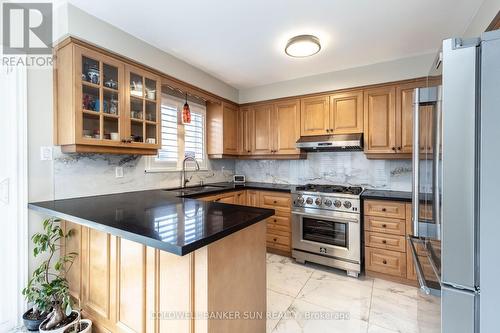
{"type": "Point", "coordinates": [275, 220]}
{"type": "Point", "coordinates": [393, 148]}
{"type": "Point", "coordinates": [384, 241]}
{"type": "Point", "coordinates": [399, 148]}
{"type": "Point", "coordinates": [275, 239]}
{"type": "Point", "coordinates": [384, 209]}
{"type": "Point", "coordinates": [384, 262]}
{"type": "Point", "coordinates": [275, 201]}
{"type": "Point", "coordinates": [217, 199]}
{"type": "Point", "coordinates": [384, 225]}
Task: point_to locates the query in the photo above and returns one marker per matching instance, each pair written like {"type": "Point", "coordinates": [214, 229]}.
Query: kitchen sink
{"type": "Point", "coordinates": [195, 189]}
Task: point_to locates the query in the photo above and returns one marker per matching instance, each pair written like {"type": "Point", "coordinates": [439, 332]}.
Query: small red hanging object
{"type": "Point", "coordinates": [186, 113]}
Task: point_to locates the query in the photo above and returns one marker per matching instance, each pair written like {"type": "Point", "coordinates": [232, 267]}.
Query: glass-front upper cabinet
{"type": "Point", "coordinates": [143, 101]}
{"type": "Point", "coordinates": [104, 103]}
{"type": "Point", "coordinates": [100, 81]}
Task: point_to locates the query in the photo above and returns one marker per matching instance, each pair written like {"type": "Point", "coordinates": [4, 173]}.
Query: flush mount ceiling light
{"type": "Point", "coordinates": [302, 46]}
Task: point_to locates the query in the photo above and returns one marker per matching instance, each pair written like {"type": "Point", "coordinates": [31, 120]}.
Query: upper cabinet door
{"type": "Point", "coordinates": [404, 126]}
{"type": "Point", "coordinates": [286, 127]}
{"type": "Point", "coordinates": [314, 115]}
{"type": "Point", "coordinates": [143, 105]}
{"type": "Point", "coordinates": [346, 113]}
{"type": "Point", "coordinates": [262, 132]}
{"type": "Point", "coordinates": [244, 127]}
{"type": "Point", "coordinates": [99, 97]}
{"type": "Point", "coordinates": [380, 120]}
{"type": "Point", "coordinates": [230, 129]}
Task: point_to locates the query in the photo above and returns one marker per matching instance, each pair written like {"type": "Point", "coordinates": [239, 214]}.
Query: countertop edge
{"type": "Point", "coordinates": [178, 250]}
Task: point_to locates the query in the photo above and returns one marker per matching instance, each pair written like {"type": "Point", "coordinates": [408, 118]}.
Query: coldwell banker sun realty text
{"type": "Point", "coordinates": [27, 34]}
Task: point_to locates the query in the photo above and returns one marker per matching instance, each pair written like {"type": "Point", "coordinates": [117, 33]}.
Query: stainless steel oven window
{"type": "Point", "coordinates": [325, 232]}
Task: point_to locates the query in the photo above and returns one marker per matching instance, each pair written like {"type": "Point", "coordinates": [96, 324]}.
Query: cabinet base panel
{"type": "Point", "coordinates": [279, 252]}
{"type": "Point", "coordinates": [107, 150]}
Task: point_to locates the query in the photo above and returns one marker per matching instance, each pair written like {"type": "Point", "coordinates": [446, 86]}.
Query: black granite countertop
{"type": "Point", "coordinates": [157, 218]}
{"type": "Point", "coordinates": [215, 188]}
{"type": "Point", "coordinates": [386, 195]}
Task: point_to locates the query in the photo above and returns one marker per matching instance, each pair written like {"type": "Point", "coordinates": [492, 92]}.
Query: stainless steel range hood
{"type": "Point", "coordinates": [339, 142]}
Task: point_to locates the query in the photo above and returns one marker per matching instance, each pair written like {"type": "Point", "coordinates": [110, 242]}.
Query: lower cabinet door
{"type": "Point", "coordinates": [385, 262]}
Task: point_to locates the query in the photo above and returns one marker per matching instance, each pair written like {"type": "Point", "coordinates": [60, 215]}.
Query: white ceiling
{"type": "Point", "coordinates": [241, 42]}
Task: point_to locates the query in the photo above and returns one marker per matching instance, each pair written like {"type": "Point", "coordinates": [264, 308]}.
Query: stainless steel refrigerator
{"type": "Point", "coordinates": [456, 178]}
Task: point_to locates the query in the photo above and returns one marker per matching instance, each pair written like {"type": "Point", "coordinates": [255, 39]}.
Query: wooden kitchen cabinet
{"type": "Point", "coordinates": [314, 115]}
{"type": "Point", "coordinates": [380, 120]}
{"type": "Point", "coordinates": [94, 105]}
{"type": "Point", "coordinates": [222, 130]}
{"type": "Point", "coordinates": [262, 131]}
{"type": "Point", "coordinates": [286, 127]}
{"type": "Point", "coordinates": [346, 112]}
{"type": "Point", "coordinates": [404, 117]}
{"type": "Point", "coordinates": [245, 131]}
{"type": "Point", "coordinates": [252, 198]}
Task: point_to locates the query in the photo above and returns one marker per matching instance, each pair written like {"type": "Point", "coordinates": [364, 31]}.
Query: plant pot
{"type": "Point", "coordinates": [63, 327]}
{"type": "Point", "coordinates": [85, 327]}
{"type": "Point", "coordinates": [32, 324]}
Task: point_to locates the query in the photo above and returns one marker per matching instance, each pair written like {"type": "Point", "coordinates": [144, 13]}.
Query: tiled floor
{"type": "Point", "coordinates": [312, 298]}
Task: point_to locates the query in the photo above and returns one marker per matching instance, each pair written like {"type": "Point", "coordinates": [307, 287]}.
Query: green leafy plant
{"type": "Point", "coordinates": [48, 288]}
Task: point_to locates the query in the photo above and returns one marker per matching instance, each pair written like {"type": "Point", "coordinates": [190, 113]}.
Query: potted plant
{"type": "Point", "coordinates": [48, 288]}
{"type": "Point", "coordinates": [79, 326]}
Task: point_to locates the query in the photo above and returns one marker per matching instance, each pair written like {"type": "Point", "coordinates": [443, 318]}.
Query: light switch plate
{"type": "Point", "coordinates": [119, 172]}
{"type": "Point", "coordinates": [45, 153]}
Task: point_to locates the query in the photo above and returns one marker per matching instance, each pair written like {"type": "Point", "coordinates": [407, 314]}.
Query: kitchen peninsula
{"type": "Point", "coordinates": [151, 261]}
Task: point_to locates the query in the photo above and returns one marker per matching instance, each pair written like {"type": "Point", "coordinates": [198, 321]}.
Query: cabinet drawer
{"type": "Point", "coordinates": [385, 261]}
{"type": "Point", "coordinates": [282, 248]}
{"type": "Point", "coordinates": [385, 209]}
{"type": "Point", "coordinates": [275, 201]}
{"type": "Point", "coordinates": [385, 225]}
{"type": "Point", "coordinates": [278, 239]}
{"type": "Point", "coordinates": [279, 220]}
{"type": "Point", "coordinates": [385, 241]}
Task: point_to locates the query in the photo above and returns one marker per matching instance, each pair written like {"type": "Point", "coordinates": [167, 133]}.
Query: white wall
{"type": "Point", "coordinates": [482, 18]}
{"type": "Point", "coordinates": [78, 23]}
{"type": "Point", "coordinates": [400, 69]}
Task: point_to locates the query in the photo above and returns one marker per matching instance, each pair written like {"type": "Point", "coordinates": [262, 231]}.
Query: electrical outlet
{"type": "Point", "coordinates": [45, 153]}
{"type": "Point", "coordinates": [119, 172]}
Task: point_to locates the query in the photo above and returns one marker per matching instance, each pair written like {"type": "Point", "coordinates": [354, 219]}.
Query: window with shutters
{"type": "Point", "coordinates": [179, 140]}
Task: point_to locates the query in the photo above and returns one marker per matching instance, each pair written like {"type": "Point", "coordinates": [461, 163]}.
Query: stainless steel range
{"type": "Point", "coordinates": [326, 226]}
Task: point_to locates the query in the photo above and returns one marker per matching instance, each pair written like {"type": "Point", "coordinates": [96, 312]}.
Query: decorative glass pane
{"type": "Point", "coordinates": [91, 126]}
{"type": "Point", "coordinates": [90, 70]}
{"type": "Point", "coordinates": [111, 129]}
{"type": "Point", "coordinates": [151, 133]}
{"type": "Point", "coordinates": [136, 85]}
{"type": "Point", "coordinates": [150, 111]}
{"type": "Point", "coordinates": [90, 99]}
{"type": "Point", "coordinates": [110, 76]}
{"type": "Point", "coordinates": [136, 111]}
{"type": "Point", "coordinates": [110, 103]}
{"type": "Point", "coordinates": [150, 89]}
{"type": "Point", "coordinates": [137, 131]}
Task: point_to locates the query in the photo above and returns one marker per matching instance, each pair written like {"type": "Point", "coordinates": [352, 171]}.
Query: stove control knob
{"type": "Point", "coordinates": [300, 200]}
{"type": "Point", "coordinates": [337, 203]}
{"type": "Point", "coordinates": [347, 204]}
{"type": "Point", "coordinates": [318, 201]}
{"type": "Point", "coordinates": [309, 201]}
{"type": "Point", "coordinates": [328, 202]}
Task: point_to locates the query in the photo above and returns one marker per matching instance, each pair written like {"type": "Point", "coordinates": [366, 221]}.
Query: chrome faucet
{"type": "Point", "coordinates": [184, 181]}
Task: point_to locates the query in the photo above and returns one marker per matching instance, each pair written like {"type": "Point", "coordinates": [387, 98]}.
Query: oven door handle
{"type": "Point", "coordinates": [323, 217]}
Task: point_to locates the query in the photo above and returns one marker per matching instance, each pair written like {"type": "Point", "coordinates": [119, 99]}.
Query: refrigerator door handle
{"type": "Point", "coordinates": [436, 188]}
{"type": "Point", "coordinates": [415, 161]}
{"type": "Point", "coordinates": [418, 266]}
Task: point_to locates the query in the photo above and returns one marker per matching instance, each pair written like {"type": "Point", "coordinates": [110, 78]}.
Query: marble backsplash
{"type": "Point", "coordinates": [77, 175]}
{"type": "Point", "coordinates": [346, 168]}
